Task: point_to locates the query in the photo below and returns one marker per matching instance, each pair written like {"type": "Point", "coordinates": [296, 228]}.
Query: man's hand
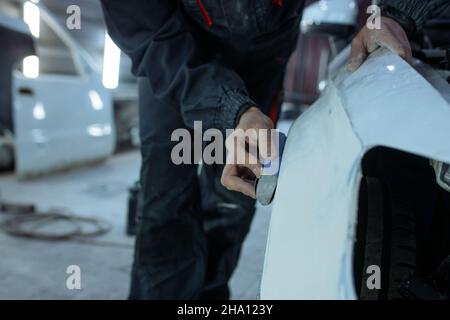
{"type": "Point", "coordinates": [239, 175]}
{"type": "Point", "coordinates": [391, 35]}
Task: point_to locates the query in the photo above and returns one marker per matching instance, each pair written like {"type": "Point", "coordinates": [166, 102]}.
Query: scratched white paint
{"type": "Point", "coordinates": [384, 103]}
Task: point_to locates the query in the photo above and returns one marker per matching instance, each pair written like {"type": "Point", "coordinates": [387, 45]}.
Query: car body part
{"type": "Point", "coordinates": [17, 43]}
{"type": "Point", "coordinates": [386, 102]}
{"type": "Point", "coordinates": [331, 18]}
{"type": "Point", "coordinates": [60, 120]}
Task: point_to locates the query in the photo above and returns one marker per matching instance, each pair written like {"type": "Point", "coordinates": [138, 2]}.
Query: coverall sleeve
{"type": "Point", "coordinates": [413, 14]}
{"type": "Point", "coordinates": [158, 37]}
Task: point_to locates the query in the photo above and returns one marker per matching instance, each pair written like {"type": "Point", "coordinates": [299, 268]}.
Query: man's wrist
{"type": "Point", "coordinates": [242, 111]}
{"type": "Point", "coordinates": [232, 104]}
{"type": "Point", "coordinates": [249, 112]}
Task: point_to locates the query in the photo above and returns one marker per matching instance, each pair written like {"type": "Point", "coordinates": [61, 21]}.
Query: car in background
{"type": "Point", "coordinates": [59, 114]}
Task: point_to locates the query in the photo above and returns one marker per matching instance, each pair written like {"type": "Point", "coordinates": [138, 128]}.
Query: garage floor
{"type": "Point", "coordinates": [32, 269]}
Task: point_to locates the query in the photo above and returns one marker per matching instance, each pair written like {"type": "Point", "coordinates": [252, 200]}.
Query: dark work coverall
{"type": "Point", "coordinates": [209, 61]}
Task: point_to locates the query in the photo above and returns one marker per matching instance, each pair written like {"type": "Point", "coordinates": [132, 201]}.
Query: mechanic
{"type": "Point", "coordinates": [222, 63]}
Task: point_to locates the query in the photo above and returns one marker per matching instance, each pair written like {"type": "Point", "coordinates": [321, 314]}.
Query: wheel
{"type": "Point", "coordinates": [388, 239]}
{"type": "Point", "coordinates": [396, 207]}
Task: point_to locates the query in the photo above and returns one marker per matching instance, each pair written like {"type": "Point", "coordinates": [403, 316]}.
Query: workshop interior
{"type": "Point", "coordinates": [359, 207]}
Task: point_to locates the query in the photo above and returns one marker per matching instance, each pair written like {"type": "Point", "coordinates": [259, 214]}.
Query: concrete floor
{"type": "Point", "coordinates": [32, 269]}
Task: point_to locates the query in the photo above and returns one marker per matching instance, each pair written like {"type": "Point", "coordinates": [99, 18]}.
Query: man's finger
{"type": "Point", "coordinates": [255, 168]}
{"type": "Point", "coordinates": [237, 151]}
{"type": "Point", "coordinates": [357, 55]}
{"type": "Point", "coordinates": [239, 185]}
{"type": "Point", "coordinates": [402, 38]}
{"type": "Point", "coordinates": [232, 181]}
{"type": "Point", "coordinates": [390, 41]}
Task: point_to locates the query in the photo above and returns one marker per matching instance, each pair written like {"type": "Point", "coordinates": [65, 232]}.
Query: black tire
{"type": "Point", "coordinates": [387, 233]}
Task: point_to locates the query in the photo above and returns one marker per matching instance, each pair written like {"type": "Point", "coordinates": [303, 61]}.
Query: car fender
{"type": "Point", "coordinates": [386, 102]}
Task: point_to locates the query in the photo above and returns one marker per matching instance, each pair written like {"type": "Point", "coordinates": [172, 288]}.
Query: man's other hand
{"type": "Point", "coordinates": [390, 35]}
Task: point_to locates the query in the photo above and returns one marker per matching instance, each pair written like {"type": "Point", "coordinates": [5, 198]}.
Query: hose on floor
{"type": "Point", "coordinates": [27, 222]}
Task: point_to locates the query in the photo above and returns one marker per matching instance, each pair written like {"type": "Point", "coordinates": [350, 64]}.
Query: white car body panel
{"type": "Point", "coordinates": [384, 103]}
{"type": "Point", "coordinates": [62, 120]}
{"type": "Point", "coordinates": [343, 12]}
